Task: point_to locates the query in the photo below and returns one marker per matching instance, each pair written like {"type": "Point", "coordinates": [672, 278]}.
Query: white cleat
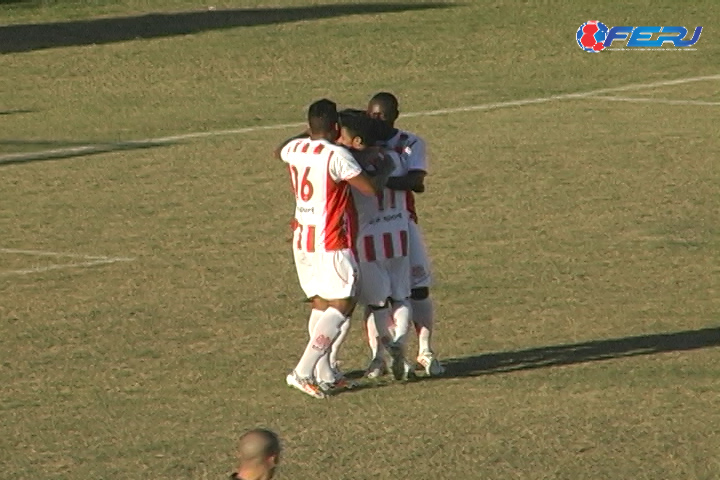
{"type": "Point", "coordinates": [431, 365]}
{"type": "Point", "coordinates": [305, 385]}
{"type": "Point", "coordinates": [376, 369]}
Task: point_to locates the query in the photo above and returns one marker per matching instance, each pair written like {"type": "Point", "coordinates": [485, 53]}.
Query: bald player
{"type": "Point", "coordinates": [258, 455]}
{"type": "Point", "coordinates": [384, 106]}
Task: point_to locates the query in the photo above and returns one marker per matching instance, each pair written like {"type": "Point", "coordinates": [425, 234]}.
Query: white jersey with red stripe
{"type": "Point", "coordinates": [319, 171]}
{"type": "Point", "coordinates": [382, 222]}
{"type": "Point", "coordinates": [413, 153]}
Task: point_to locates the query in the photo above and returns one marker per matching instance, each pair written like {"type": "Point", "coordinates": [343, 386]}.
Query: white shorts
{"type": "Point", "coordinates": [420, 273]}
{"type": "Point", "coordinates": [383, 279]}
{"type": "Point", "coordinates": [328, 275]}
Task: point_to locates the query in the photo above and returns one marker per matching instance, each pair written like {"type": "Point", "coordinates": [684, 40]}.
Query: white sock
{"type": "Point", "coordinates": [324, 334]}
{"type": "Point", "coordinates": [422, 316]}
{"type": "Point", "coordinates": [401, 314]}
{"type": "Point", "coordinates": [321, 373]}
{"type": "Point", "coordinates": [370, 332]}
{"type": "Point", "coordinates": [327, 366]}
{"type": "Point", "coordinates": [338, 343]}
{"type": "Point", "coordinates": [314, 317]}
{"type": "Point", "coordinates": [323, 370]}
{"type": "Point", "coordinates": [378, 330]}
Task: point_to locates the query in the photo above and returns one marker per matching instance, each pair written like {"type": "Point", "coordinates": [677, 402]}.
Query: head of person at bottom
{"type": "Point", "coordinates": [258, 455]}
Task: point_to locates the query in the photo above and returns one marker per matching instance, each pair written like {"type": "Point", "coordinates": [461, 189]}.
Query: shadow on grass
{"type": "Point", "coordinates": [15, 112]}
{"type": "Point", "coordinates": [575, 353]}
{"type": "Point", "coordinates": [69, 149]}
{"type": "Point", "coordinates": [29, 37]}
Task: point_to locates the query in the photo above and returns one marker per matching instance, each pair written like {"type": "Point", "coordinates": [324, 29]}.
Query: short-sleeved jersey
{"type": "Point", "coordinates": [412, 148]}
{"type": "Point", "coordinates": [414, 157]}
{"type": "Point", "coordinates": [382, 221]}
{"type": "Point", "coordinates": [318, 172]}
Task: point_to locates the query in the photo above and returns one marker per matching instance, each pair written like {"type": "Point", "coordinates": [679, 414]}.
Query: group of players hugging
{"type": "Point", "coordinates": [356, 241]}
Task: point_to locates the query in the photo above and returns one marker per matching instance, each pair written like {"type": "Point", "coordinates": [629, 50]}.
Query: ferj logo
{"type": "Point", "coordinates": [595, 36]}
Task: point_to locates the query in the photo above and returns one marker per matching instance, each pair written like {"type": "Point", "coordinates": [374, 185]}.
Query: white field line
{"type": "Point", "coordinates": [564, 96]}
{"type": "Point", "coordinates": [107, 147]}
{"type": "Point", "coordinates": [665, 101]}
{"type": "Point", "coordinates": [42, 253]}
{"type": "Point", "coordinates": [89, 263]}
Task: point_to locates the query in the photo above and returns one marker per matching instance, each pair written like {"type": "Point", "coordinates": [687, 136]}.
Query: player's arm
{"type": "Point", "coordinates": [365, 184]}
{"type": "Point", "coordinates": [347, 167]}
{"type": "Point", "coordinates": [417, 166]}
{"type": "Point", "coordinates": [413, 181]}
{"type": "Point", "coordinates": [279, 148]}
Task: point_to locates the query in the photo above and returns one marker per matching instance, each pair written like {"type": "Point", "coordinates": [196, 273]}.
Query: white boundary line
{"type": "Point", "coordinates": [90, 261]}
{"type": "Point", "coordinates": [109, 147]}
{"type": "Point", "coordinates": [665, 101]}
{"type": "Point", "coordinates": [42, 253]}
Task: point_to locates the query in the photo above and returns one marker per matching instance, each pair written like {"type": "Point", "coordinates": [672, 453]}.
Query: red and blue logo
{"type": "Point", "coordinates": [591, 36]}
{"type": "Point", "coordinates": [595, 36]}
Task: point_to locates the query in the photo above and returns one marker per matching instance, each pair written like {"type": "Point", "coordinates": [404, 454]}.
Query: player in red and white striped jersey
{"type": "Point", "coordinates": [381, 244]}
{"type": "Point", "coordinates": [321, 174]}
{"type": "Point", "coordinates": [384, 106]}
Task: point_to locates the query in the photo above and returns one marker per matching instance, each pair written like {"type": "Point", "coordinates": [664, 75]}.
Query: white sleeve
{"type": "Point", "coordinates": [343, 166]}
{"type": "Point", "coordinates": [416, 155]}
{"type": "Point", "coordinates": [285, 152]}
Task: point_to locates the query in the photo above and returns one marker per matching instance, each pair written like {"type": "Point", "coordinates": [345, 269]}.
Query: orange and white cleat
{"type": "Point", "coordinates": [305, 385]}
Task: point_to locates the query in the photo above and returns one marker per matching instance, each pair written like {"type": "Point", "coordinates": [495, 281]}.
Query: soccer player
{"type": "Point", "coordinates": [381, 244]}
{"type": "Point", "coordinates": [384, 106]}
{"type": "Point", "coordinates": [321, 174]}
{"type": "Point", "coordinates": [258, 455]}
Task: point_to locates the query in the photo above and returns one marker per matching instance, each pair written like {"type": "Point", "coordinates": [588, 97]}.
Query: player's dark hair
{"type": "Point", "coordinates": [322, 116]}
{"type": "Point", "coordinates": [358, 124]}
{"type": "Point", "coordinates": [387, 100]}
{"type": "Point", "coordinates": [378, 131]}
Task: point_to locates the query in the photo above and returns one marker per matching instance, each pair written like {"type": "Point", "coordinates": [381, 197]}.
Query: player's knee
{"type": "Point", "coordinates": [319, 303]}
{"type": "Point", "coordinates": [420, 293]}
{"type": "Point", "coordinates": [344, 306]}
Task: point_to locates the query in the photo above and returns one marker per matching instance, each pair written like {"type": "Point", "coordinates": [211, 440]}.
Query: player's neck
{"type": "Point", "coordinates": [321, 136]}
{"type": "Point", "coordinates": [251, 474]}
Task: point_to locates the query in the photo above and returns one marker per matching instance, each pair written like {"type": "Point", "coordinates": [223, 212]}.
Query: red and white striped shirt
{"type": "Point", "coordinates": [318, 172]}
{"type": "Point", "coordinates": [412, 151]}
{"type": "Point", "coordinates": [382, 222]}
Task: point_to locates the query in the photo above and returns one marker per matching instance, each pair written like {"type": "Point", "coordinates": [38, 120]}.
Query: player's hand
{"type": "Point", "coordinates": [368, 159]}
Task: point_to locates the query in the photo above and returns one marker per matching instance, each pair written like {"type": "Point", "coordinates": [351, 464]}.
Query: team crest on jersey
{"type": "Point", "coordinates": [402, 145]}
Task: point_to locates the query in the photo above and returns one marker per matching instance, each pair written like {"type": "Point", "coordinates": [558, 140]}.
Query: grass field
{"type": "Point", "coordinates": [149, 309]}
